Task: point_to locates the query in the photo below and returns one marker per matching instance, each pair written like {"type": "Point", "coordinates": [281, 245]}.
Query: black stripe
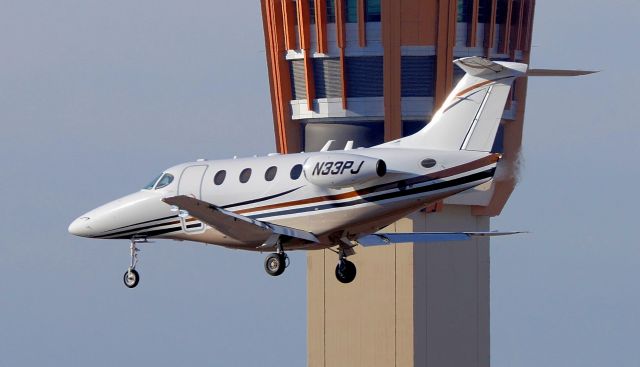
{"type": "Point", "coordinates": [399, 193]}
{"type": "Point", "coordinates": [158, 232]}
{"type": "Point", "coordinates": [106, 234]}
{"type": "Point", "coordinates": [260, 199]}
{"type": "Point", "coordinates": [148, 221]}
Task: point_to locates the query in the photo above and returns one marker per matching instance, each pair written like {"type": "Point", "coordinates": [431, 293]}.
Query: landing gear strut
{"type": "Point", "coordinates": [276, 262]}
{"type": "Point", "coordinates": [131, 276]}
{"type": "Point", "coordinates": [345, 270]}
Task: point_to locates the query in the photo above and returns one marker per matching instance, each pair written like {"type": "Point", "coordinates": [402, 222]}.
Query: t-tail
{"type": "Point", "coordinates": [469, 117]}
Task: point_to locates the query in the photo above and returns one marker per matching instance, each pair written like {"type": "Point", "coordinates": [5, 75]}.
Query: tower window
{"type": "Point", "coordinates": [465, 9]}
{"type": "Point", "coordinates": [417, 76]}
{"type": "Point", "coordinates": [331, 11]}
{"type": "Point", "coordinates": [312, 11]}
{"type": "Point", "coordinates": [364, 76]}
{"type": "Point", "coordinates": [484, 11]}
{"type": "Point", "coordinates": [501, 12]}
{"type": "Point", "coordinates": [352, 11]}
{"type": "Point", "coordinates": [372, 10]}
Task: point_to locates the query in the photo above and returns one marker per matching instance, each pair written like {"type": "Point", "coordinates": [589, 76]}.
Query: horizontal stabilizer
{"type": "Point", "coordinates": [235, 225]}
{"type": "Point", "coordinates": [557, 72]}
{"type": "Point", "coordinates": [378, 239]}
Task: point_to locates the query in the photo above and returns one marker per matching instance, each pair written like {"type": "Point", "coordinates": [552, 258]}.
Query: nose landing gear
{"type": "Point", "coordinates": [131, 276]}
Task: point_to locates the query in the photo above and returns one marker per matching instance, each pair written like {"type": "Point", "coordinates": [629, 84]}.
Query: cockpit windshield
{"type": "Point", "coordinates": [162, 180]}
{"type": "Point", "coordinates": [152, 183]}
{"type": "Point", "coordinates": [165, 180]}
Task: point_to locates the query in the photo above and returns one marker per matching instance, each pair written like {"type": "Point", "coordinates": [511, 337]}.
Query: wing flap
{"type": "Point", "coordinates": [378, 239]}
{"type": "Point", "coordinates": [235, 225]}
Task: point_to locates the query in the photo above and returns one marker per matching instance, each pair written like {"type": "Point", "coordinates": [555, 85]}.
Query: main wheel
{"type": "Point", "coordinates": [345, 271]}
{"type": "Point", "coordinates": [131, 278]}
{"type": "Point", "coordinates": [275, 264]}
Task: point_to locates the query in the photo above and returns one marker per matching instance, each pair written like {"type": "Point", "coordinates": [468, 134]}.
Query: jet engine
{"type": "Point", "coordinates": [337, 170]}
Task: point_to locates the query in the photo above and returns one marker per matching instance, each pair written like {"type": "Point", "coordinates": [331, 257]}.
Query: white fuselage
{"type": "Point", "coordinates": [289, 198]}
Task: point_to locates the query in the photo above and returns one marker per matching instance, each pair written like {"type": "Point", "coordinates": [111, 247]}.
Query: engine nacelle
{"type": "Point", "coordinates": [339, 170]}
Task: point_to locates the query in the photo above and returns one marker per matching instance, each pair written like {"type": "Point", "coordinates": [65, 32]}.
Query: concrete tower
{"type": "Point", "coordinates": [372, 71]}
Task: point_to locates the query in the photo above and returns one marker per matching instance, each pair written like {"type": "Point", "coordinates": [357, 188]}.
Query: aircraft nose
{"type": "Point", "coordinates": [81, 227]}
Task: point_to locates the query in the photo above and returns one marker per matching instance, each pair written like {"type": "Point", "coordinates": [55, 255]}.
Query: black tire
{"type": "Point", "coordinates": [345, 271]}
{"type": "Point", "coordinates": [131, 278]}
{"type": "Point", "coordinates": [275, 264]}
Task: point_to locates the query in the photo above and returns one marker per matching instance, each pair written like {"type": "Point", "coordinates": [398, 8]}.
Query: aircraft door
{"type": "Point", "coordinates": [191, 185]}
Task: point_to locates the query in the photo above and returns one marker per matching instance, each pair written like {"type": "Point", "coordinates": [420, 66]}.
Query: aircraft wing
{"type": "Point", "coordinates": [234, 225]}
{"type": "Point", "coordinates": [378, 239]}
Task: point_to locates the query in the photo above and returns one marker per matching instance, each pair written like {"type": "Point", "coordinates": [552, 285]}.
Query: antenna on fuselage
{"type": "Point", "coordinates": [349, 145]}
{"type": "Point", "coordinates": [326, 147]}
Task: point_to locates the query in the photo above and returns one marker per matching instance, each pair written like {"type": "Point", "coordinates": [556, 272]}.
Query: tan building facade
{"type": "Point", "coordinates": [409, 305]}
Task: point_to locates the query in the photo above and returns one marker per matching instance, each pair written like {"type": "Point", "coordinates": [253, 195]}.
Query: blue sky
{"type": "Point", "coordinates": [98, 97]}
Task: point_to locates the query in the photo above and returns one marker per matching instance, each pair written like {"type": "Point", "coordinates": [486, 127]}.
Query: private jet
{"type": "Point", "coordinates": [332, 199]}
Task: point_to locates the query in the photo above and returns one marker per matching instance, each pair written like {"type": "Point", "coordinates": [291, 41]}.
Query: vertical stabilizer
{"type": "Point", "coordinates": [470, 116]}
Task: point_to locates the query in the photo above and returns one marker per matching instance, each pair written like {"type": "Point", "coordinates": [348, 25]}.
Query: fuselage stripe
{"type": "Point", "coordinates": [385, 196]}
{"type": "Point", "coordinates": [383, 187]}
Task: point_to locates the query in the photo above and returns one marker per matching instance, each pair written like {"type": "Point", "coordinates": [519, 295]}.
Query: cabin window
{"type": "Point", "coordinates": [164, 181]}
{"type": "Point", "coordinates": [296, 171]}
{"type": "Point", "coordinates": [270, 174]}
{"type": "Point", "coordinates": [245, 175]}
{"type": "Point", "coordinates": [218, 179]}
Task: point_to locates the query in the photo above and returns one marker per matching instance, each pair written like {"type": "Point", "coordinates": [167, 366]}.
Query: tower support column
{"type": "Point", "coordinates": [410, 305]}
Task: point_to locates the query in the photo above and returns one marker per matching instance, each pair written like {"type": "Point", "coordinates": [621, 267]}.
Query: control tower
{"type": "Point", "coordinates": [370, 71]}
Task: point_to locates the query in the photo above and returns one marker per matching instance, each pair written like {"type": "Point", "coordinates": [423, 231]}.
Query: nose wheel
{"type": "Point", "coordinates": [131, 276]}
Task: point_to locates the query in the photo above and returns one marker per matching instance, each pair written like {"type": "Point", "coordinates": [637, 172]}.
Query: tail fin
{"type": "Point", "coordinates": [470, 116]}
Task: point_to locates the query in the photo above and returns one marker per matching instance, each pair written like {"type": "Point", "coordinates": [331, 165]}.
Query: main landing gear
{"type": "Point", "coordinates": [131, 276]}
{"type": "Point", "coordinates": [275, 263]}
{"type": "Point", "coordinates": [345, 270]}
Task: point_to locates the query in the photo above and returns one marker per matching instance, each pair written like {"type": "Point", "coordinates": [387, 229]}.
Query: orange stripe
{"type": "Point", "coordinates": [482, 84]}
{"type": "Point", "coordinates": [490, 159]}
